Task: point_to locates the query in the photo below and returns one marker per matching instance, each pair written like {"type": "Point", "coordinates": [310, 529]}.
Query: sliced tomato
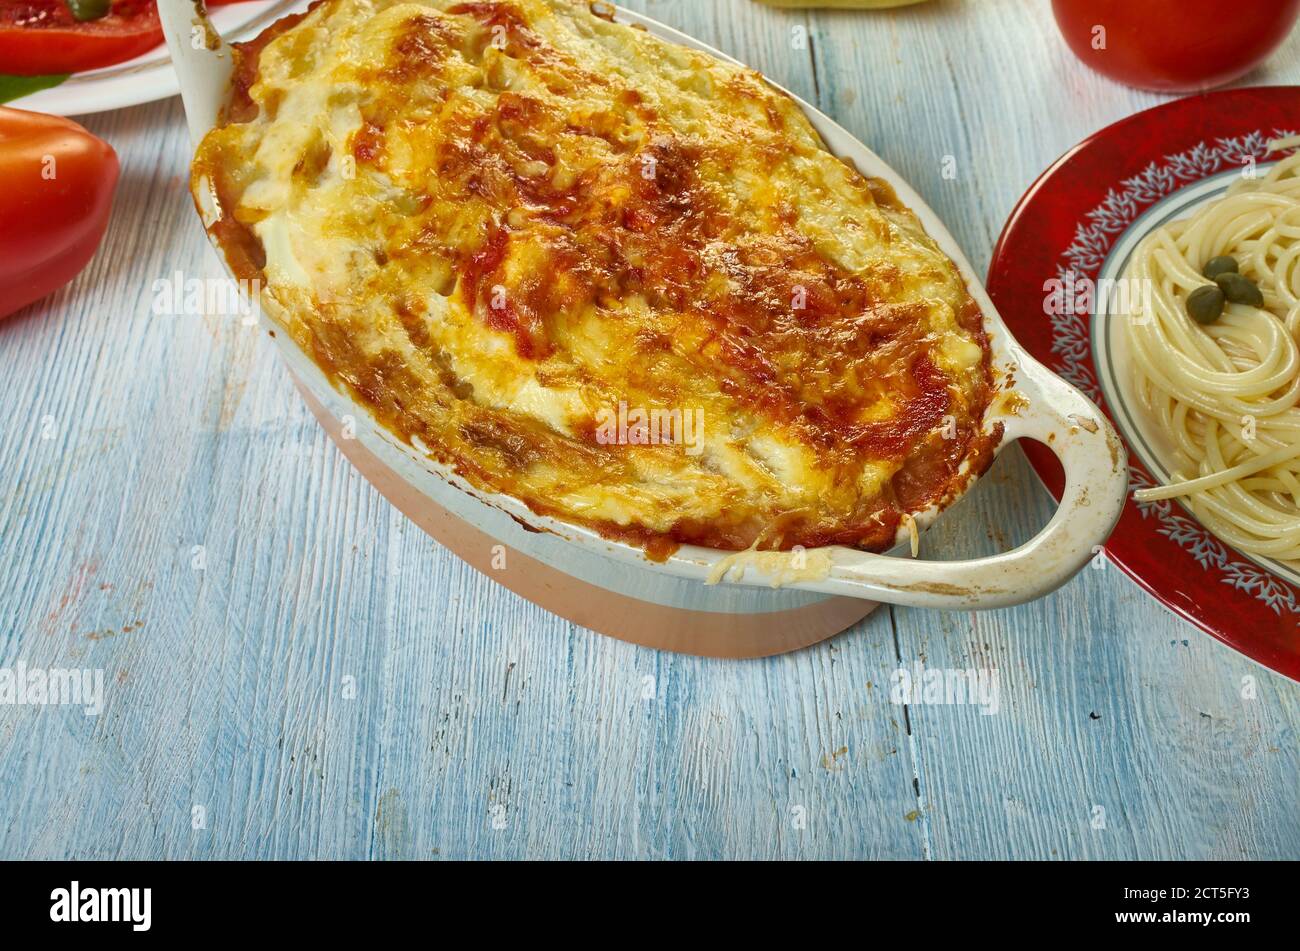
{"type": "Point", "coordinates": [40, 37]}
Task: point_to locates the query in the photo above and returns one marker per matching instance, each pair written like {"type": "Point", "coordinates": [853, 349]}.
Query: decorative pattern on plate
{"type": "Point", "coordinates": [1191, 536]}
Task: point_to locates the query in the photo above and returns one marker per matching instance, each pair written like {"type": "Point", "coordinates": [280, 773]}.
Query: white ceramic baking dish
{"type": "Point", "coordinates": [1033, 404]}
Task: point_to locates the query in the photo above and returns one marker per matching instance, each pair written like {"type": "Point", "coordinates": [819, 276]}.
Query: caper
{"type": "Point", "coordinates": [83, 10]}
{"type": "Point", "coordinates": [1223, 264]}
{"type": "Point", "coordinates": [1240, 289]}
{"type": "Point", "coordinates": [1205, 304]}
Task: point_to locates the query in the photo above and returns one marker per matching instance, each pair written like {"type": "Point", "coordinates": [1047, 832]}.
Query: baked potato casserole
{"type": "Point", "coordinates": [617, 279]}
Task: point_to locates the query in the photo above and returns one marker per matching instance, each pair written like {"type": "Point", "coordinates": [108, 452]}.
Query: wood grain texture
{"type": "Point", "coordinates": [480, 726]}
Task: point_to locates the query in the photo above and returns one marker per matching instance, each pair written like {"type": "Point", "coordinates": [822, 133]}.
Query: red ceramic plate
{"type": "Point", "coordinates": [1069, 236]}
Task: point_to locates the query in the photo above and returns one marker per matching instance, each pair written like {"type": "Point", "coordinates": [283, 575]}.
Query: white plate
{"type": "Point", "coordinates": [150, 76]}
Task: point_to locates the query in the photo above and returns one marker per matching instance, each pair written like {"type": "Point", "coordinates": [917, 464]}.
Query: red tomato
{"type": "Point", "coordinates": [1175, 45]}
{"type": "Point", "coordinates": [58, 189]}
{"type": "Point", "coordinates": [41, 37]}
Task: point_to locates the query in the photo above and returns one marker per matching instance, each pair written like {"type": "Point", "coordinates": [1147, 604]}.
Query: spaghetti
{"type": "Point", "coordinates": [1226, 391]}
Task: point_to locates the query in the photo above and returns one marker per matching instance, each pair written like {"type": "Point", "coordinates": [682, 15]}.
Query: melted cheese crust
{"type": "Point", "coordinates": [514, 229]}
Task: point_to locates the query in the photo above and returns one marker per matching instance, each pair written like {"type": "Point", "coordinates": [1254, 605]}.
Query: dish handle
{"type": "Point", "coordinates": [1096, 484]}
{"type": "Point", "coordinates": [202, 60]}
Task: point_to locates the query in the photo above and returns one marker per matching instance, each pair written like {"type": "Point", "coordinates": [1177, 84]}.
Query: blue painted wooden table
{"type": "Point", "coordinates": [293, 670]}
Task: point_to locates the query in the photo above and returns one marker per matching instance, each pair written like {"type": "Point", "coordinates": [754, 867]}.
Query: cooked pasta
{"type": "Point", "coordinates": [1225, 392]}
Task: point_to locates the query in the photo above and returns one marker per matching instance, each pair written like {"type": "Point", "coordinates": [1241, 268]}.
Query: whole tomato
{"type": "Point", "coordinates": [1175, 45]}
{"type": "Point", "coordinates": [58, 188]}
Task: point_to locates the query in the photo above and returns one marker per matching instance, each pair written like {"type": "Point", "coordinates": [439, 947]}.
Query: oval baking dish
{"type": "Point", "coordinates": [1030, 402]}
